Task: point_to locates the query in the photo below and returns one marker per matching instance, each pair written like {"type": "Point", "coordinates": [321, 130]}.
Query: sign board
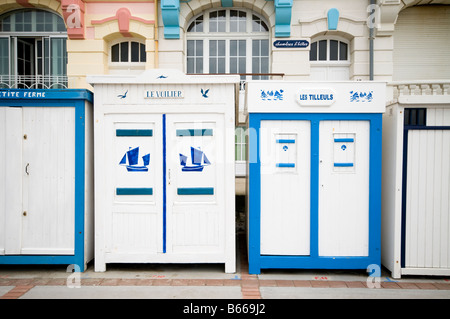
{"type": "Point", "coordinates": [291, 44]}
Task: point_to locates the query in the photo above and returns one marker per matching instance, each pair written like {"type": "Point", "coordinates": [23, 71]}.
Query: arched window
{"type": "Point", "coordinates": [129, 55]}
{"type": "Point", "coordinates": [330, 59]}
{"type": "Point", "coordinates": [33, 51]}
{"type": "Point", "coordinates": [228, 41]}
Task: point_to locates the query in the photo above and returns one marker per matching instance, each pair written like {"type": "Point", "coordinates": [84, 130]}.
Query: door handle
{"type": "Point", "coordinates": [168, 175]}
{"type": "Point", "coordinates": [26, 169]}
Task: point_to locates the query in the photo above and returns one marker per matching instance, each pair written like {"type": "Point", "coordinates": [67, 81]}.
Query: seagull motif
{"type": "Point", "coordinates": [204, 94]}
{"type": "Point", "coordinates": [162, 77]}
{"type": "Point", "coordinates": [122, 96]}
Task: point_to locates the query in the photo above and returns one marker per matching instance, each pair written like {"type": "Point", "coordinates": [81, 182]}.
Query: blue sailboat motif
{"type": "Point", "coordinates": [198, 158]}
{"type": "Point", "coordinates": [132, 157]}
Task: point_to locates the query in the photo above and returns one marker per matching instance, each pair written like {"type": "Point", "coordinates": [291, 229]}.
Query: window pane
{"type": "Point", "coordinates": [199, 65]}
{"type": "Point", "coordinates": [233, 65]}
{"type": "Point", "coordinates": [242, 65]}
{"type": "Point", "coordinates": [221, 48]}
{"type": "Point", "coordinates": [333, 50]}
{"type": "Point", "coordinates": [343, 49]}
{"type": "Point", "coordinates": [212, 65]}
{"type": "Point", "coordinates": [323, 50]}
{"type": "Point", "coordinates": [124, 52]}
{"type": "Point", "coordinates": [255, 48]}
{"type": "Point", "coordinates": [134, 52]}
{"type": "Point", "coordinates": [238, 21]}
{"type": "Point", "coordinates": [143, 54]}
{"type": "Point", "coordinates": [213, 47]}
{"type": "Point", "coordinates": [199, 47]}
{"type": "Point", "coordinates": [190, 65]}
{"type": "Point", "coordinates": [4, 56]}
{"type": "Point", "coordinates": [191, 47]}
{"type": "Point", "coordinates": [59, 57]}
{"type": "Point", "coordinates": [313, 52]}
{"type": "Point", "coordinates": [258, 25]}
{"type": "Point", "coordinates": [217, 21]}
{"type": "Point", "coordinates": [197, 25]}
{"type": "Point", "coordinates": [264, 47]}
{"type": "Point", "coordinates": [233, 47]}
{"type": "Point", "coordinates": [242, 47]}
{"type": "Point", "coordinates": [115, 53]}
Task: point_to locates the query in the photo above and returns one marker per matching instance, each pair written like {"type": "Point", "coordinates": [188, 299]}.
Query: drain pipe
{"type": "Point", "coordinates": [371, 37]}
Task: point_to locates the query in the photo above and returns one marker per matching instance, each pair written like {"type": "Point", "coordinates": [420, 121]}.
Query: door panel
{"type": "Point", "coordinates": [10, 180]}
{"type": "Point", "coordinates": [195, 182]}
{"type": "Point", "coordinates": [48, 180]}
{"type": "Point", "coordinates": [134, 182]}
{"type": "Point", "coordinates": [343, 188]}
{"type": "Point", "coordinates": [427, 243]}
{"type": "Point", "coordinates": [285, 187]}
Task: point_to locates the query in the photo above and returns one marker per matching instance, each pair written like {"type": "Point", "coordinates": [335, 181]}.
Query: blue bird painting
{"type": "Point", "coordinates": [204, 94]}
{"type": "Point", "coordinates": [122, 96]}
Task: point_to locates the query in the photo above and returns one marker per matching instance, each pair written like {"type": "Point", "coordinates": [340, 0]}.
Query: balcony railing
{"type": "Point", "coordinates": [33, 82]}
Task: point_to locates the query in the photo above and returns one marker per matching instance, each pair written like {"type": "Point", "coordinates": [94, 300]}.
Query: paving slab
{"type": "Point", "coordinates": [133, 292]}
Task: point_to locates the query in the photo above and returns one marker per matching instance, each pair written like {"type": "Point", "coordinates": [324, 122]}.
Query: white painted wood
{"type": "Point", "coordinates": [430, 58]}
{"type": "Point", "coordinates": [195, 223]}
{"type": "Point", "coordinates": [133, 223]}
{"type": "Point", "coordinates": [329, 72]}
{"type": "Point", "coordinates": [343, 193]}
{"type": "Point", "coordinates": [391, 191]}
{"type": "Point", "coordinates": [89, 184]}
{"type": "Point", "coordinates": [49, 179]}
{"type": "Point", "coordinates": [11, 181]}
{"type": "Point", "coordinates": [327, 97]}
{"type": "Point", "coordinates": [285, 191]}
{"type": "Point", "coordinates": [199, 228]}
{"type": "Point", "coordinates": [438, 117]}
{"type": "Point", "coordinates": [428, 193]}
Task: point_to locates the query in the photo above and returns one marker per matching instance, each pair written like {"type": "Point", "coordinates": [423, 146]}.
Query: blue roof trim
{"type": "Point", "coordinates": [283, 13]}
{"type": "Point", "coordinates": [170, 11]}
{"type": "Point", "coordinates": [333, 18]}
{"type": "Point", "coordinates": [46, 94]}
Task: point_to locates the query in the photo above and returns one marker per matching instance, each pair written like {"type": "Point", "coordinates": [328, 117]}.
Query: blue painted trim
{"type": "Point", "coordinates": [344, 140]}
{"type": "Point", "coordinates": [343, 164]}
{"type": "Point", "coordinates": [196, 191]}
{"type": "Point", "coordinates": [77, 99]}
{"type": "Point", "coordinates": [124, 132]}
{"type": "Point", "coordinates": [258, 261]}
{"type": "Point", "coordinates": [283, 12]}
{"type": "Point", "coordinates": [285, 164]}
{"type": "Point", "coordinates": [285, 141]}
{"type": "Point", "coordinates": [80, 151]}
{"type": "Point", "coordinates": [170, 11]}
{"type": "Point", "coordinates": [134, 191]}
{"type": "Point", "coordinates": [27, 96]}
{"type": "Point", "coordinates": [333, 18]}
{"type": "Point", "coordinates": [164, 181]}
{"type": "Point", "coordinates": [195, 132]}
{"type": "Point", "coordinates": [227, 3]}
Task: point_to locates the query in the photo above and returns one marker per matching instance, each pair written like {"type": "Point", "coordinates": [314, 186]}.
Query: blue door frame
{"type": "Point", "coordinates": [313, 261]}
{"type": "Point", "coordinates": [75, 98]}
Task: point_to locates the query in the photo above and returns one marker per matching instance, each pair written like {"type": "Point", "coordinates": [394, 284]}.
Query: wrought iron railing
{"type": "Point", "coordinates": [33, 82]}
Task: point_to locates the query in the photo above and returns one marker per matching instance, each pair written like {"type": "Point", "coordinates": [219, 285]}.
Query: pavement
{"type": "Point", "coordinates": [194, 283]}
